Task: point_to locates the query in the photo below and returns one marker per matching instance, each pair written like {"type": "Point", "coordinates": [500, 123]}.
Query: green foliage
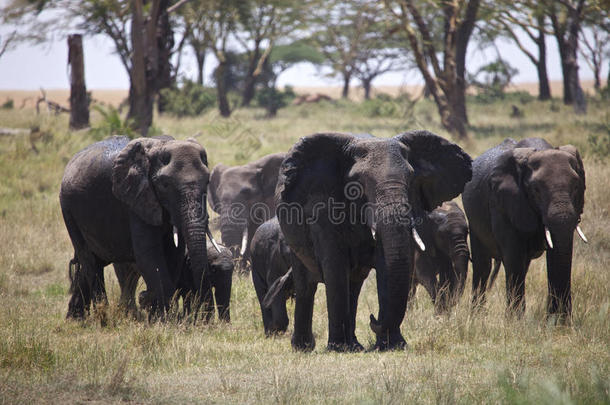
{"type": "Point", "coordinates": [599, 142]}
{"type": "Point", "coordinates": [273, 99]}
{"type": "Point", "coordinates": [492, 79]}
{"type": "Point", "coordinates": [9, 104]}
{"type": "Point", "coordinates": [111, 124]}
{"type": "Point", "coordinates": [190, 99]}
{"type": "Point", "coordinates": [383, 105]}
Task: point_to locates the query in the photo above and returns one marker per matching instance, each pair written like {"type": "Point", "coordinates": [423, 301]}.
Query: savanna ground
{"type": "Point", "coordinates": [450, 359]}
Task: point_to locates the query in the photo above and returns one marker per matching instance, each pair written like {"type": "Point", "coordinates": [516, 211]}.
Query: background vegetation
{"type": "Point", "coordinates": [454, 359]}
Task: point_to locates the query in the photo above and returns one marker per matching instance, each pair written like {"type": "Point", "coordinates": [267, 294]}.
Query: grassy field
{"type": "Point", "coordinates": [455, 359]}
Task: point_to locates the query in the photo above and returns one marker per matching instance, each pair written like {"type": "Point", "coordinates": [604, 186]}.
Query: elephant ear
{"type": "Point", "coordinates": [508, 189]}
{"type": "Point", "coordinates": [442, 168]}
{"type": "Point", "coordinates": [213, 186]}
{"type": "Point", "coordinates": [316, 163]}
{"type": "Point", "coordinates": [579, 169]}
{"type": "Point", "coordinates": [267, 175]}
{"type": "Point", "coordinates": [131, 183]}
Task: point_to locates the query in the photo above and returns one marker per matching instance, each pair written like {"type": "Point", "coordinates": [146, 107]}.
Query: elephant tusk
{"type": "Point", "coordinates": [244, 242]}
{"type": "Point", "coordinates": [374, 233]}
{"type": "Point", "coordinates": [209, 233]}
{"type": "Point", "coordinates": [418, 240]}
{"type": "Point", "coordinates": [549, 240]}
{"type": "Point", "coordinates": [581, 234]}
{"type": "Point", "coordinates": [176, 236]}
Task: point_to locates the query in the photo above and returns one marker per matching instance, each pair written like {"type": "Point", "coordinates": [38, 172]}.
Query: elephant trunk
{"type": "Point", "coordinates": [559, 269]}
{"type": "Point", "coordinates": [459, 259]}
{"type": "Point", "coordinates": [394, 278]}
{"type": "Point", "coordinates": [194, 228]}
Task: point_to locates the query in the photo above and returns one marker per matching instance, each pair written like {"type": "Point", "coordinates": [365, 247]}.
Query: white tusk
{"type": "Point", "coordinates": [418, 240]}
{"type": "Point", "coordinates": [374, 233]}
{"type": "Point", "coordinates": [549, 240]}
{"type": "Point", "coordinates": [213, 241]}
{"type": "Point", "coordinates": [244, 242]}
{"type": "Point", "coordinates": [581, 234]}
{"type": "Point", "coordinates": [176, 236]}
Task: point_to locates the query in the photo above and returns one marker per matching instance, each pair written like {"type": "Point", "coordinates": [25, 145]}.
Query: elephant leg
{"type": "Point", "coordinates": [128, 276]}
{"type": "Point", "coordinates": [425, 274]}
{"type": "Point", "coordinates": [279, 314]}
{"type": "Point", "coordinates": [516, 264]}
{"type": "Point", "coordinates": [447, 278]}
{"type": "Point", "coordinates": [481, 267]}
{"type": "Point", "coordinates": [260, 286]}
{"type": "Point", "coordinates": [87, 286]}
{"type": "Point", "coordinates": [222, 295]}
{"type": "Point", "coordinates": [336, 269]}
{"type": "Point", "coordinates": [305, 290]}
{"type": "Point", "coordinates": [206, 300]}
{"type": "Point", "coordinates": [355, 287]}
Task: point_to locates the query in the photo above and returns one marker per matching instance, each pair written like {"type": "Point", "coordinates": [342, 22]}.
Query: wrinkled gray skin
{"type": "Point", "coordinates": [518, 189]}
{"type": "Point", "coordinates": [397, 179]}
{"type": "Point", "coordinates": [443, 266]}
{"type": "Point", "coordinates": [234, 191]}
{"type": "Point", "coordinates": [215, 290]}
{"type": "Point", "coordinates": [271, 260]}
{"type": "Point", "coordinates": [120, 201]}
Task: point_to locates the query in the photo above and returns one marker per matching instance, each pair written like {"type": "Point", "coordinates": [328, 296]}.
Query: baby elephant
{"type": "Point", "coordinates": [442, 267]}
{"type": "Point", "coordinates": [271, 275]}
{"type": "Point", "coordinates": [217, 281]}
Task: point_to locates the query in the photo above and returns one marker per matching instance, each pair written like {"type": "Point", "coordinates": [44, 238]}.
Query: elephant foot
{"type": "Point", "coordinates": [303, 343]}
{"type": "Point", "coordinates": [342, 347]}
{"type": "Point", "coordinates": [76, 309]}
{"type": "Point", "coordinates": [390, 341]}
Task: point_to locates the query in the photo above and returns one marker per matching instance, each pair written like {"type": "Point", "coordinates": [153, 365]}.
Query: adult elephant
{"type": "Point", "coordinates": [522, 196]}
{"type": "Point", "coordinates": [121, 200]}
{"type": "Point", "coordinates": [443, 266]}
{"type": "Point", "coordinates": [271, 275]}
{"type": "Point", "coordinates": [334, 189]}
{"type": "Point", "coordinates": [214, 294]}
{"type": "Point", "coordinates": [244, 196]}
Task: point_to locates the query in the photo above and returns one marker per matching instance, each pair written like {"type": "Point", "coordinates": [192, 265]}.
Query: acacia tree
{"type": "Point", "coordinates": [260, 24]}
{"type": "Point", "coordinates": [566, 18]}
{"type": "Point", "coordinates": [445, 81]}
{"type": "Point", "coordinates": [508, 19]}
{"type": "Point", "coordinates": [595, 42]}
{"type": "Point", "coordinates": [347, 34]}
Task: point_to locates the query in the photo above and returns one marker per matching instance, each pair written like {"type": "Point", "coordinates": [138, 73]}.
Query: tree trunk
{"type": "Point", "coordinates": [221, 90]}
{"type": "Point", "coordinates": [200, 56]}
{"type": "Point", "coordinates": [79, 102]}
{"type": "Point", "coordinates": [461, 48]}
{"type": "Point", "coordinates": [140, 99]}
{"type": "Point", "coordinates": [347, 76]}
{"type": "Point", "coordinates": [366, 85]}
{"type": "Point", "coordinates": [544, 89]}
{"type": "Point", "coordinates": [249, 89]}
{"type": "Point", "coordinates": [165, 43]}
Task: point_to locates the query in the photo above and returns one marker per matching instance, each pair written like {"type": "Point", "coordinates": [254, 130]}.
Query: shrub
{"type": "Point", "coordinates": [111, 124]}
{"type": "Point", "coordinates": [190, 99]}
{"type": "Point", "coordinates": [381, 106]}
{"type": "Point", "coordinates": [9, 104]}
{"type": "Point", "coordinates": [272, 99]}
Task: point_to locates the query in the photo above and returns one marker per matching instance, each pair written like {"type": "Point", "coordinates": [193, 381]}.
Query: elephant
{"type": "Point", "coordinates": [443, 266]}
{"type": "Point", "coordinates": [271, 275]}
{"type": "Point", "coordinates": [215, 292]}
{"type": "Point", "coordinates": [121, 201]}
{"type": "Point", "coordinates": [348, 203]}
{"type": "Point", "coordinates": [244, 196]}
{"type": "Point", "coordinates": [524, 198]}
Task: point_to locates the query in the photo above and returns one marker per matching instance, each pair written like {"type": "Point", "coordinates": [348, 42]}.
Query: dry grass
{"type": "Point", "coordinates": [455, 359]}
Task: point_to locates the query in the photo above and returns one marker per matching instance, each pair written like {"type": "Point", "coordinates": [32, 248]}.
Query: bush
{"type": "Point", "coordinates": [190, 99]}
{"type": "Point", "coordinates": [111, 124]}
{"type": "Point", "coordinates": [381, 106]}
{"type": "Point", "coordinates": [9, 104]}
{"type": "Point", "coordinates": [272, 99]}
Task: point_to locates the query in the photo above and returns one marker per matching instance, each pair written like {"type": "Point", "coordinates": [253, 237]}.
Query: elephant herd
{"type": "Point", "coordinates": [328, 211]}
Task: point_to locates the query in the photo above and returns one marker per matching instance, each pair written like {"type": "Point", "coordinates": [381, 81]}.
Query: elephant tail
{"type": "Point", "coordinates": [279, 285]}
{"type": "Point", "coordinates": [74, 268]}
{"type": "Point", "coordinates": [494, 273]}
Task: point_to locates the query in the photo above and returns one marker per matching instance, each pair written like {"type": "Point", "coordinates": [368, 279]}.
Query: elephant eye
{"type": "Point", "coordinates": [204, 158]}
{"type": "Point", "coordinates": [165, 157]}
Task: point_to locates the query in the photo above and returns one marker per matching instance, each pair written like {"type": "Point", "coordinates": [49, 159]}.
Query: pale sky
{"type": "Point", "coordinates": [30, 67]}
